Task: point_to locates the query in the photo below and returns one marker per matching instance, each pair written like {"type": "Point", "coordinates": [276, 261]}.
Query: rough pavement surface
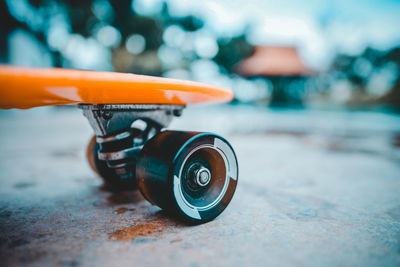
{"type": "Point", "coordinates": [315, 189]}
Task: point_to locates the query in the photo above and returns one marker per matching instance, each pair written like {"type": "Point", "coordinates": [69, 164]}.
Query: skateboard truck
{"type": "Point", "coordinates": [192, 174]}
{"type": "Point", "coordinates": [118, 142]}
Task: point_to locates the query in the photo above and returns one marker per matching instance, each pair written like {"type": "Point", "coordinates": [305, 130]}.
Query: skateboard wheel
{"type": "Point", "coordinates": [191, 174]}
{"type": "Point", "coordinates": [111, 178]}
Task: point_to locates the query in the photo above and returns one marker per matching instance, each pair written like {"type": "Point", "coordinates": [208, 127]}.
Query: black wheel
{"type": "Point", "coordinates": [191, 174]}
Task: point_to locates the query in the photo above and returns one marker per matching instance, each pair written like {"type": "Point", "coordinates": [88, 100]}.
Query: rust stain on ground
{"type": "Point", "coordinates": [150, 227]}
{"type": "Point", "coordinates": [123, 210]}
{"type": "Point", "coordinates": [396, 140]}
{"type": "Point", "coordinates": [138, 230]}
{"type": "Point", "coordinates": [176, 240]}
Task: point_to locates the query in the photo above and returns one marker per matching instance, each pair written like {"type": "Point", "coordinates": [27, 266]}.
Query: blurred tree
{"type": "Point", "coordinates": [393, 96]}
{"type": "Point", "coordinates": [360, 69]}
{"type": "Point", "coordinates": [357, 69]}
{"type": "Point", "coordinates": [85, 18]}
{"type": "Point", "coordinates": [188, 23]}
{"type": "Point", "coordinates": [9, 23]}
{"type": "Point", "coordinates": [231, 51]}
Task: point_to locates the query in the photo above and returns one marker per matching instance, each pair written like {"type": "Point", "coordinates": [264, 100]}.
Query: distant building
{"type": "Point", "coordinates": [283, 67]}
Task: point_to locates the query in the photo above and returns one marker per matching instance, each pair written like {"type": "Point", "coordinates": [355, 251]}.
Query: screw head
{"type": "Point", "coordinates": [202, 176]}
{"type": "Point", "coordinates": [177, 112]}
{"type": "Point", "coordinates": [106, 114]}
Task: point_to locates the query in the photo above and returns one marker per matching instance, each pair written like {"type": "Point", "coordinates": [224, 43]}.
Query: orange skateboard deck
{"type": "Point", "coordinates": [24, 88]}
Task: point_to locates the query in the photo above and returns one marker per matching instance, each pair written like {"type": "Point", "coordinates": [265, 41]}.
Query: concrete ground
{"type": "Point", "coordinates": [315, 189]}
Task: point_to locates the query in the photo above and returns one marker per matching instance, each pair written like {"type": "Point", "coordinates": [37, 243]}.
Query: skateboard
{"type": "Point", "coordinates": [190, 174]}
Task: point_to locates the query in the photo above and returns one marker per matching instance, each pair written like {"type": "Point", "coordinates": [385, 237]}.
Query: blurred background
{"type": "Point", "coordinates": [290, 54]}
{"type": "Point", "coordinates": [315, 123]}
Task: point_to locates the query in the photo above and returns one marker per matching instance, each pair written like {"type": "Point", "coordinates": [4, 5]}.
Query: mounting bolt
{"type": "Point", "coordinates": [106, 114]}
{"type": "Point", "coordinates": [177, 112]}
{"type": "Point", "coordinates": [202, 176]}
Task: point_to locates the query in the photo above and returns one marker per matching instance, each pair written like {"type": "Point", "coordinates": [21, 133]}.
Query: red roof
{"type": "Point", "coordinates": [273, 61]}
